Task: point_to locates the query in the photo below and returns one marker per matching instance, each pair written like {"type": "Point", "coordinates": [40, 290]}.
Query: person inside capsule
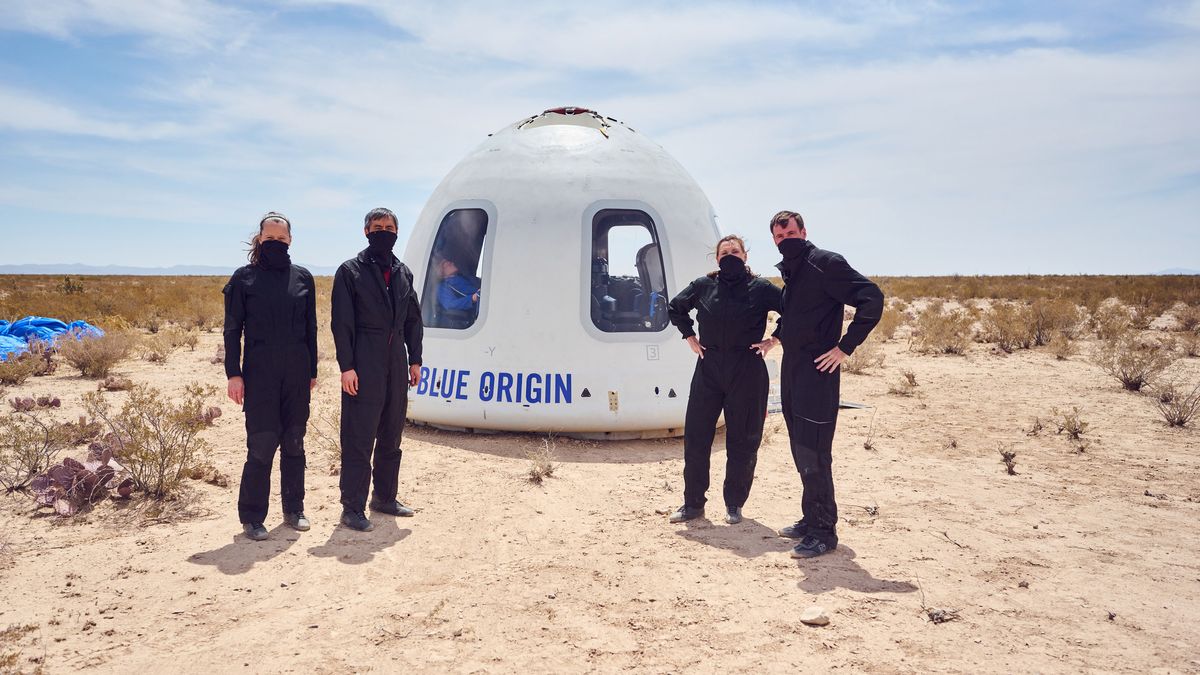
{"type": "Point", "coordinates": [457, 295]}
{"type": "Point", "coordinates": [731, 305]}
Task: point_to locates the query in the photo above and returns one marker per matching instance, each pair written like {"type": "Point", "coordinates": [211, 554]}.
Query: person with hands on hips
{"type": "Point", "coordinates": [817, 286]}
{"type": "Point", "coordinates": [271, 304]}
{"type": "Point", "coordinates": [731, 305]}
{"type": "Point", "coordinates": [377, 333]}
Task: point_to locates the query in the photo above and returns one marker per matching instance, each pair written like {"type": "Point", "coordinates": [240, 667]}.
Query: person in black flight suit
{"type": "Point", "coordinates": [817, 285]}
{"type": "Point", "coordinates": [730, 376]}
{"type": "Point", "coordinates": [377, 333]}
{"type": "Point", "coordinates": [273, 303]}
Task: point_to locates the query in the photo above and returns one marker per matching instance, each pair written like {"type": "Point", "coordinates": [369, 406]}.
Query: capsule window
{"type": "Point", "coordinates": [629, 288]}
{"type": "Point", "coordinates": [453, 289]}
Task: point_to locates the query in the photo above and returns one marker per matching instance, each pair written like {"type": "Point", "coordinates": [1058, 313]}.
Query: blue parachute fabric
{"type": "Point", "coordinates": [82, 329]}
{"type": "Point", "coordinates": [11, 347]}
{"type": "Point", "coordinates": [16, 336]}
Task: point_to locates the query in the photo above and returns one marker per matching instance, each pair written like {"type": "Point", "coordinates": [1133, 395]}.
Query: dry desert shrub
{"type": "Point", "coordinates": [1176, 404]}
{"type": "Point", "coordinates": [1111, 319]}
{"type": "Point", "coordinates": [1134, 362]}
{"type": "Point", "coordinates": [1007, 325]}
{"type": "Point", "coordinates": [1188, 317]}
{"type": "Point", "coordinates": [155, 436]}
{"type": "Point", "coordinates": [28, 446]}
{"type": "Point", "coordinates": [941, 331]}
{"type": "Point", "coordinates": [1008, 457]}
{"type": "Point", "coordinates": [1050, 317]}
{"type": "Point", "coordinates": [1070, 422]}
{"type": "Point", "coordinates": [868, 355]}
{"type": "Point", "coordinates": [906, 385]}
{"type": "Point", "coordinates": [95, 357]}
{"type": "Point", "coordinates": [16, 369]}
{"type": "Point", "coordinates": [43, 354]}
{"type": "Point", "coordinates": [1189, 344]}
{"type": "Point", "coordinates": [158, 348]}
{"type": "Point", "coordinates": [542, 461]}
{"type": "Point", "coordinates": [891, 320]}
{"type": "Point", "coordinates": [1063, 347]}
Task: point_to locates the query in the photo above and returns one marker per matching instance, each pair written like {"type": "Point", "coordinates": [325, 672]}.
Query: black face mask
{"type": "Point", "coordinates": [791, 247]}
{"type": "Point", "coordinates": [381, 243]}
{"type": "Point", "coordinates": [273, 254]}
{"type": "Point", "coordinates": [732, 268]}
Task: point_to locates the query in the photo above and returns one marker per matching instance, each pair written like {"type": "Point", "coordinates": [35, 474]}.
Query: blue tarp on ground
{"type": "Point", "coordinates": [16, 336]}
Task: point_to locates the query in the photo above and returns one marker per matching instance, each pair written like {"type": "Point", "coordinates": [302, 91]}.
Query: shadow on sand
{"type": "Point", "coordinates": [837, 569]}
{"type": "Point", "coordinates": [238, 556]}
{"type": "Point", "coordinates": [569, 450]}
{"type": "Point", "coordinates": [748, 539]}
{"type": "Point", "coordinates": [357, 548]}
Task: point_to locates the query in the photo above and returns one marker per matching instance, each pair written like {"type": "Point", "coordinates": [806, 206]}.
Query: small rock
{"type": "Point", "coordinates": [814, 616]}
{"type": "Point", "coordinates": [1024, 584]}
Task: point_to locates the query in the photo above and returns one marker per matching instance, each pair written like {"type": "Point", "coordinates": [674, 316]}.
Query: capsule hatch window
{"type": "Point", "coordinates": [628, 288]}
{"type": "Point", "coordinates": [453, 289]}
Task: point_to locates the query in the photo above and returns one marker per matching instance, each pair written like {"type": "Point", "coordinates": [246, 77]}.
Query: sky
{"type": "Point", "coordinates": [920, 137]}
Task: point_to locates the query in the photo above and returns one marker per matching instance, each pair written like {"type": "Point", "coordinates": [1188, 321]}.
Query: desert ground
{"type": "Point", "coordinates": [1085, 560]}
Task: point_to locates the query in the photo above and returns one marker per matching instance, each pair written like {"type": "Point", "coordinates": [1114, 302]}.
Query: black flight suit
{"type": "Point", "coordinates": [818, 284]}
{"type": "Point", "coordinates": [377, 332]}
{"type": "Point", "coordinates": [731, 378]}
{"type": "Point", "coordinates": [276, 312]}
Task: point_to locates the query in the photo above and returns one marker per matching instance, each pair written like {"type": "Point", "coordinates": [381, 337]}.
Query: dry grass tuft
{"type": "Point", "coordinates": [906, 385]}
{"type": "Point", "coordinates": [1008, 457]}
{"type": "Point", "coordinates": [542, 461]}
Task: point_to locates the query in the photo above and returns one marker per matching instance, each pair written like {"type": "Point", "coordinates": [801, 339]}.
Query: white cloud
{"type": "Point", "coordinates": [173, 24]}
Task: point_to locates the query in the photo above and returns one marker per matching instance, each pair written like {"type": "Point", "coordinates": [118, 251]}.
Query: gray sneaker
{"type": "Point", "coordinates": [394, 508]}
{"type": "Point", "coordinates": [686, 512]}
{"type": "Point", "coordinates": [733, 515]}
{"type": "Point", "coordinates": [797, 530]}
{"type": "Point", "coordinates": [297, 521]}
{"type": "Point", "coordinates": [254, 531]}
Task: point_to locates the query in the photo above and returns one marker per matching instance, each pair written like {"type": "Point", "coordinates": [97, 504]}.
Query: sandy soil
{"type": "Point", "coordinates": [1081, 562]}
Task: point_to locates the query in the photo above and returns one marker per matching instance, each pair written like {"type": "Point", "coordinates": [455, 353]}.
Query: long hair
{"type": "Point", "coordinates": [255, 242]}
{"type": "Point", "coordinates": [717, 251]}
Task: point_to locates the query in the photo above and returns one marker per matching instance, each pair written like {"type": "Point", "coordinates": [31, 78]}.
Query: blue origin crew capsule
{"type": "Point", "coordinates": [545, 261]}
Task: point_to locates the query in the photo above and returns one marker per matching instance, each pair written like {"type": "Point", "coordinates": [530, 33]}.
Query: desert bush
{"type": "Point", "coordinates": [219, 357]}
{"type": "Point", "coordinates": [1133, 362]}
{"type": "Point", "coordinates": [28, 446]}
{"type": "Point", "coordinates": [1063, 347]}
{"type": "Point", "coordinates": [1008, 326]}
{"type": "Point", "coordinates": [1111, 319]}
{"type": "Point", "coordinates": [155, 436]}
{"type": "Point", "coordinates": [16, 369]}
{"type": "Point", "coordinates": [158, 348]}
{"type": "Point", "coordinates": [95, 357]}
{"type": "Point", "coordinates": [868, 355]}
{"type": "Point", "coordinates": [1189, 344]}
{"type": "Point", "coordinates": [891, 319]}
{"type": "Point", "coordinates": [1176, 404]}
{"type": "Point", "coordinates": [43, 354]}
{"type": "Point", "coordinates": [1050, 317]}
{"type": "Point", "coordinates": [1187, 317]}
{"type": "Point", "coordinates": [189, 340]}
{"type": "Point", "coordinates": [81, 431]}
{"type": "Point", "coordinates": [542, 461]}
{"type": "Point", "coordinates": [1070, 422]}
{"type": "Point", "coordinates": [1008, 457]}
{"type": "Point", "coordinates": [906, 385]}
{"type": "Point", "coordinates": [941, 331]}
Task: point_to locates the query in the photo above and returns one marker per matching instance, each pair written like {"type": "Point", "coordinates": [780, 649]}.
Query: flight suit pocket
{"type": "Point", "coordinates": [815, 394]}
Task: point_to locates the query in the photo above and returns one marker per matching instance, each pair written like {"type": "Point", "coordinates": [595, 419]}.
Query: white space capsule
{"type": "Point", "coordinates": [576, 230]}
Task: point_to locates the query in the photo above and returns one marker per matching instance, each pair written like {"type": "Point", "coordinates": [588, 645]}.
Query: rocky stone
{"type": "Point", "coordinates": [814, 616]}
